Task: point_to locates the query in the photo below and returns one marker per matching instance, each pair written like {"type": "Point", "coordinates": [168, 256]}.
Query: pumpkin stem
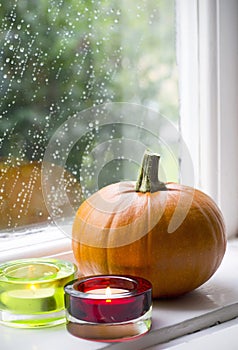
{"type": "Point", "coordinates": [148, 177]}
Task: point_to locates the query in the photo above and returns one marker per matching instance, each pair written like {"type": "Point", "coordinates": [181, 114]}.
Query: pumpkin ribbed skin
{"type": "Point", "coordinates": [120, 231]}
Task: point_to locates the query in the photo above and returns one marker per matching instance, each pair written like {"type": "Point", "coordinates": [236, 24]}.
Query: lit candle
{"type": "Point", "coordinates": [108, 307]}
{"type": "Point", "coordinates": [32, 291]}
{"type": "Point", "coordinates": [30, 298]}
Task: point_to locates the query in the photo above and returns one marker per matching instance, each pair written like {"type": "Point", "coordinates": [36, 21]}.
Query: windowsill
{"type": "Point", "coordinates": [220, 337]}
{"type": "Point", "coordinates": [39, 241]}
{"type": "Point", "coordinates": [213, 303]}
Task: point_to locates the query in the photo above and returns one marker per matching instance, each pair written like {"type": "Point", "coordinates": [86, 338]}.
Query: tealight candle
{"type": "Point", "coordinates": [32, 291]}
{"type": "Point", "coordinates": [108, 307]}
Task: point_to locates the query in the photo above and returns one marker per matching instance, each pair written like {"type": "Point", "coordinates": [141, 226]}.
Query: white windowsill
{"type": "Point", "coordinates": [215, 302]}
{"type": "Point", "coordinates": [220, 337]}
{"type": "Point", "coordinates": [39, 241]}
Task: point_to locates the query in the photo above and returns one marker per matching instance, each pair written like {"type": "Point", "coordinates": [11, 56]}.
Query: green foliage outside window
{"type": "Point", "coordinates": [60, 57]}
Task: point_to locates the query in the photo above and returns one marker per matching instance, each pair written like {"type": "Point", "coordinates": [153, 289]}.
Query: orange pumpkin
{"type": "Point", "coordinates": [170, 234]}
{"type": "Point", "coordinates": [21, 198]}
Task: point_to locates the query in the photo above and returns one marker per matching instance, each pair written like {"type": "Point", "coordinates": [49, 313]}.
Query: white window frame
{"type": "Point", "coordinates": [208, 115]}
{"type": "Point", "coordinates": [208, 67]}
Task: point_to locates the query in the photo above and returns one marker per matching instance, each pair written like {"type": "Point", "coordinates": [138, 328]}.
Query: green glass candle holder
{"type": "Point", "coordinates": [32, 292]}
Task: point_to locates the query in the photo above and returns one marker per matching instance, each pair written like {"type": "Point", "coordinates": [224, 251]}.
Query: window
{"type": "Point", "coordinates": [116, 53]}
{"type": "Point", "coordinates": [61, 58]}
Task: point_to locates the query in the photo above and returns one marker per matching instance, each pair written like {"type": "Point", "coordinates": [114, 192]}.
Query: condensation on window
{"type": "Point", "coordinates": [59, 58]}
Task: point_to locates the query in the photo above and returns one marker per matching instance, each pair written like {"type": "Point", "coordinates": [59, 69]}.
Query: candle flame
{"type": "Point", "coordinates": [32, 287]}
{"type": "Point", "coordinates": [108, 294]}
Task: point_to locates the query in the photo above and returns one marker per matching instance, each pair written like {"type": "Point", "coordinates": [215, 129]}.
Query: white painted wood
{"type": "Point", "coordinates": [208, 73]}
{"type": "Point", "coordinates": [187, 58]}
{"type": "Point", "coordinates": [221, 337]}
{"type": "Point", "coordinates": [208, 97]}
{"type": "Point", "coordinates": [228, 111]}
{"type": "Point", "coordinates": [37, 242]}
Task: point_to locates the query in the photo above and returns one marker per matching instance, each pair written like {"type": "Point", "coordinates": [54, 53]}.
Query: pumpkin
{"type": "Point", "coordinates": [171, 234]}
{"type": "Point", "coordinates": [21, 198]}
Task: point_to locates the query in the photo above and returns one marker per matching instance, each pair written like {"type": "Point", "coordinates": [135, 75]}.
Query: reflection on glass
{"type": "Point", "coordinates": [58, 58]}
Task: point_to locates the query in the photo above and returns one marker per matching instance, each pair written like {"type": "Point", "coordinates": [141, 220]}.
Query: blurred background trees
{"type": "Point", "coordinates": [60, 57]}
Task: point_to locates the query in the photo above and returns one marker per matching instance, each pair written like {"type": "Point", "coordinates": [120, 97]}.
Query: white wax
{"type": "Point", "coordinates": [107, 291]}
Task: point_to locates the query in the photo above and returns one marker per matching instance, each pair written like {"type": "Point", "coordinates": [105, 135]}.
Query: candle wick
{"type": "Point", "coordinates": [108, 292]}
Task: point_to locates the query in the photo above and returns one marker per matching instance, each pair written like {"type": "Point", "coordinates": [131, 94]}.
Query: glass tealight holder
{"type": "Point", "coordinates": [108, 307]}
{"type": "Point", "coordinates": [32, 292]}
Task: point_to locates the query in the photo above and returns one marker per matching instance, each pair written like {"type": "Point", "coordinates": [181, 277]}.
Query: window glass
{"type": "Point", "coordinates": [60, 57]}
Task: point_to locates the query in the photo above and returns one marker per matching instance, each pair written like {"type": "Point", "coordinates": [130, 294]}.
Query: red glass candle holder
{"type": "Point", "coordinates": [108, 307]}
